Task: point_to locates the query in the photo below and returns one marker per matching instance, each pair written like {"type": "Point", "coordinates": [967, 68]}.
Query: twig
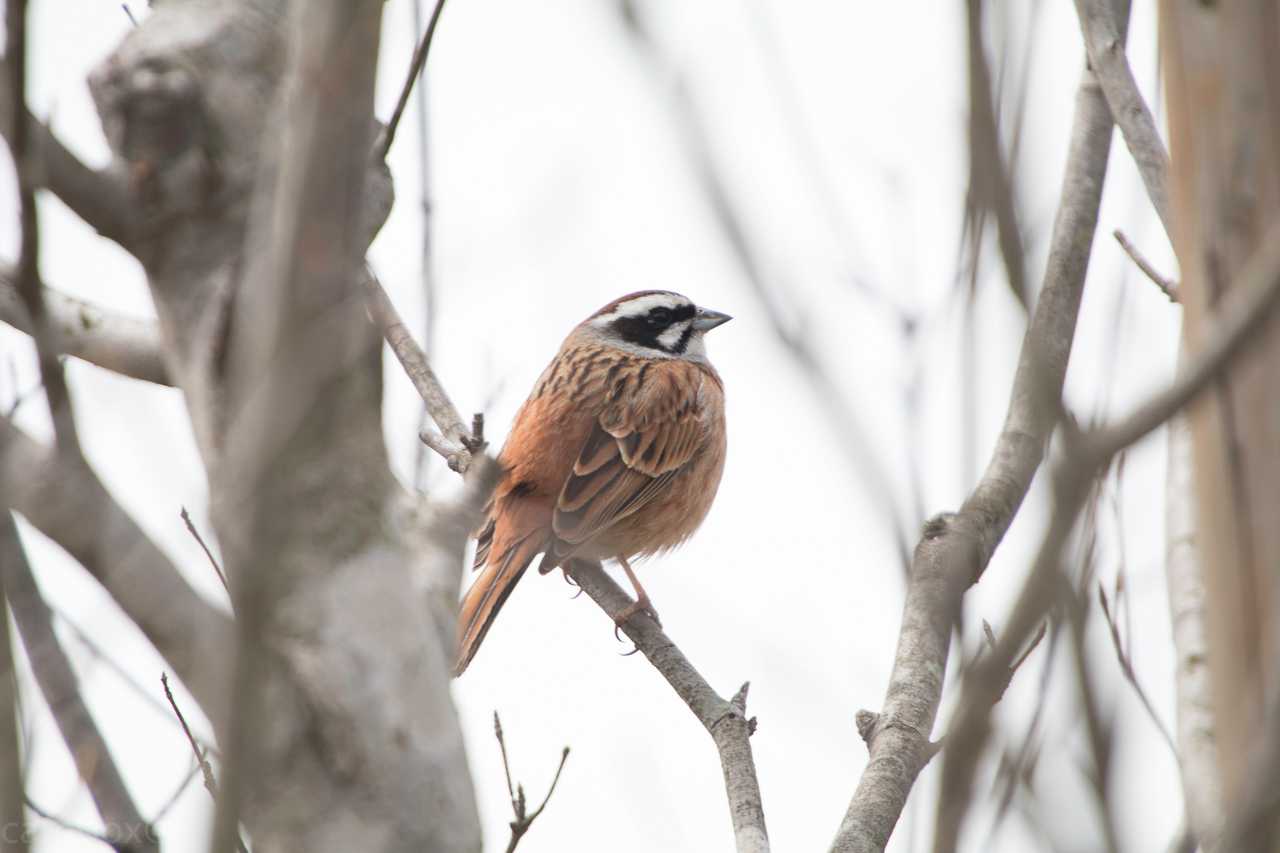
{"type": "Point", "coordinates": [206, 769]}
{"type": "Point", "coordinates": [115, 842]}
{"type": "Point", "coordinates": [1247, 307]}
{"type": "Point", "coordinates": [1166, 284]}
{"type": "Point", "coordinates": [57, 681]}
{"type": "Point", "coordinates": [1105, 46]}
{"type": "Point", "coordinates": [726, 722]}
{"type": "Point", "coordinates": [415, 68]}
{"type": "Point", "coordinates": [191, 528]}
{"type": "Point", "coordinates": [523, 819]}
{"type": "Point", "coordinates": [1249, 304]}
{"type": "Point", "coordinates": [201, 756]}
{"type": "Point", "coordinates": [1126, 666]}
{"type": "Point", "coordinates": [955, 549]}
{"type": "Point", "coordinates": [989, 181]}
{"type": "Point", "coordinates": [173, 798]}
{"type": "Point", "coordinates": [454, 442]}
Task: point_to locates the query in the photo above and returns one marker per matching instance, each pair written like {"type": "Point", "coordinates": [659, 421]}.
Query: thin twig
{"type": "Point", "coordinates": [191, 528]}
{"type": "Point", "coordinates": [1126, 666]}
{"type": "Point", "coordinates": [173, 798]}
{"type": "Point", "coordinates": [206, 769]}
{"type": "Point", "coordinates": [415, 68]}
{"type": "Point", "coordinates": [1166, 284]}
{"type": "Point", "coordinates": [519, 806]}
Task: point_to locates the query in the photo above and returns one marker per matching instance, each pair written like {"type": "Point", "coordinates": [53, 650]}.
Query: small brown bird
{"type": "Point", "coordinates": [617, 453]}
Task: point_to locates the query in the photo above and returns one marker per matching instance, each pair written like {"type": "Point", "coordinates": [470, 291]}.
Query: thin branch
{"type": "Point", "coordinates": [1126, 666]}
{"type": "Point", "coordinates": [1167, 286]}
{"type": "Point", "coordinates": [955, 549]}
{"type": "Point", "coordinates": [415, 68]}
{"type": "Point", "coordinates": [191, 528]}
{"type": "Point", "coordinates": [57, 681]}
{"type": "Point", "coordinates": [11, 770]}
{"type": "Point", "coordinates": [122, 344]}
{"type": "Point", "coordinates": [726, 722]}
{"type": "Point", "coordinates": [1249, 304]}
{"type": "Point", "coordinates": [1105, 46]}
{"type": "Point", "coordinates": [519, 807]}
{"type": "Point", "coordinates": [989, 182]}
{"type": "Point", "coordinates": [206, 769]}
{"type": "Point", "coordinates": [454, 442]}
{"type": "Point", "coordinates": [27, 274]}
{"type": "Point", "coordinates": [65, 499]}
{"type": "Point", "coordinates": [173, 798]}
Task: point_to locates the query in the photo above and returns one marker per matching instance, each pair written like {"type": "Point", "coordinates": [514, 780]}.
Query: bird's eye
{"type": "Point", "coordinates": [659, 317]}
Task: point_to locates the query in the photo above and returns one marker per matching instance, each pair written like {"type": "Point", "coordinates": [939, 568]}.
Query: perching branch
{"type": "Point", "coordinates": [53, 672]}
{"type": "Point", "coordinates": [1105, 45]}
{"type": "Point", "coordinates": [454, 441]}
{"type": "Point", "coordinates": [726, 722]}
{"type": "Point", "coordinates": [955, 549]}
{"type": "Point", "coordinates": [125, 345]}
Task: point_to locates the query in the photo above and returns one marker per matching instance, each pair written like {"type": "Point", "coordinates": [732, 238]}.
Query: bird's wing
{"type": "Point", "coordinates": [641, 440]}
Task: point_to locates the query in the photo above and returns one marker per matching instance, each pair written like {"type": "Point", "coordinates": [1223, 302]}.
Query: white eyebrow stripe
{"type": "Point", "coordinates": [641, 305]}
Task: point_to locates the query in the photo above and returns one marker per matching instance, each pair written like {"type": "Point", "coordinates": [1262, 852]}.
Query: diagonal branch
{"type": "Point", "coordinates": [89, 751]}
{"type": "Point", "coordinates": [1250, 305]}
{"type": "Point", "coordinates": [955, 549]}
{"type": "Point", "coordinates": [64, 499]}
{"type": "Point", "coordinates": [122, 344]}
{"type": "Point", "coordinates": [1105, 45]}
{"type": "Point", "coordinates": [454, 441]}
{"type": "Point", "coordinates": [726, 722]}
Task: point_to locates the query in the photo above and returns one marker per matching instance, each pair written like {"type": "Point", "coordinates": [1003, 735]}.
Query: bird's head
{"type": "Point", "coordinates": [656, 324]}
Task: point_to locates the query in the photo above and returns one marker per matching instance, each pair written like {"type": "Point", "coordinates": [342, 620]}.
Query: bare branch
{"type": "Point", "coordinates": [58, 683]}
{"type": "Point", "coordinates": [1105, 45]}
{"type": "Point", "coordinates": [122, 344]}
{"type": "Point", "coordinates": [1166, 285]}
{"type": "Point", "coordinates": [64, 499]}
{"type": "Point", "coordinates": [415, 69]}
{"type": "Point", "coordinates": [1126, 666]}
{"type": "Point", "coordinates": [726, 721]}
{"type": "Point", "coordinates": [989, 182]}
{"type": "Point", "coordinates": [519, 807]}
{"type": "Point", "coordinates": [955, 549]}
{"type": "Point", "coordinates": [11, 782]}
{"type": "Point", "coordinates": [454, 442]}
{"type": "Point", "coordinates": [191, 528]}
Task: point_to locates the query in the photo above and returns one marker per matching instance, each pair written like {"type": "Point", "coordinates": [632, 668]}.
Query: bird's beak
{"type": "Point", "coordinates": [706, 319]}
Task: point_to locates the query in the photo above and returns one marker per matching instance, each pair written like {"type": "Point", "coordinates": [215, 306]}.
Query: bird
{"type": "Point", "coordinates": [616, 454]}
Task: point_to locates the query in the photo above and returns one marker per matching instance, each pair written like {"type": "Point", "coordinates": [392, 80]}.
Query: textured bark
{"type": "Point", "coordinates": [1197, 744]}
{"type": "Point", "coordinates": [1223, 79]}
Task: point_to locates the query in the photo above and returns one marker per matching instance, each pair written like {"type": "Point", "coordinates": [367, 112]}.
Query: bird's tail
{"type": "Point", "coordinates": [486, 596]}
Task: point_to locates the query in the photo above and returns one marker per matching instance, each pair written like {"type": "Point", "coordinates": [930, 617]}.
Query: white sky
{"type": "Point", "coordinates": [560, 183]}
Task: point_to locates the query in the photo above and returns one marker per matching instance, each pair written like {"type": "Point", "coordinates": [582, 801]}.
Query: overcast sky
{"type": "Point", "coordinates": [560, 181]}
